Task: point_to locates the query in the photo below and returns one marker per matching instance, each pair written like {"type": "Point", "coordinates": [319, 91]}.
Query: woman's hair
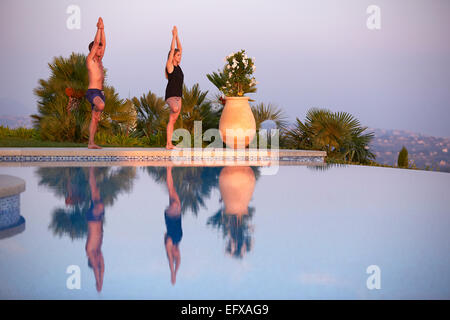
{"type": "Point", "coordinates": [168, 55]}
{"type": "Point", "coordinates": [174, 52]}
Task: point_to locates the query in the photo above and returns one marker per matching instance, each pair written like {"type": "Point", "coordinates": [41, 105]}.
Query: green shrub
{"type": "Point", "coordinates": [24, 133]}
{"type": "Point", "coordinates": [402, 160]}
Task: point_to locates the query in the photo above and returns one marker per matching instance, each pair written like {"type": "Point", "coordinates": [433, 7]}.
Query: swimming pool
{"type": "Point", "coordinates": [304, 233]}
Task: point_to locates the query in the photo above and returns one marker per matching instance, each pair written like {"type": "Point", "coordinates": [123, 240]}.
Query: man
{"type": "Point", "coordinates": [95, 94]}
{"type": "Point", "coordinates": [95, 216]}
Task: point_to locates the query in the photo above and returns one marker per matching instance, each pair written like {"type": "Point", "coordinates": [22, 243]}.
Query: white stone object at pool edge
{"type": "Point", "coordinates": [10, 189]}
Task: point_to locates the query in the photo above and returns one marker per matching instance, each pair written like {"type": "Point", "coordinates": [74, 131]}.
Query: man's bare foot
{"type": "Point", "coordinates": [93, 146]}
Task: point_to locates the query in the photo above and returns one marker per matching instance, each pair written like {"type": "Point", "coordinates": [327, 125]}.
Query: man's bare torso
{"type": "Point", "coordinates": [96, 74]}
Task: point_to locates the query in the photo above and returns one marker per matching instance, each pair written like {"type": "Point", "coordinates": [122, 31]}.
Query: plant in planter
{"type": "Point", "coordinates": [237, 123]}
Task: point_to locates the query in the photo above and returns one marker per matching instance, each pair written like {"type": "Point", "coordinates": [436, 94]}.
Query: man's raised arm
{"type": "Point", "coordinates": [98, 38]}
{"type": "Point", "coordinates": [103, 40]}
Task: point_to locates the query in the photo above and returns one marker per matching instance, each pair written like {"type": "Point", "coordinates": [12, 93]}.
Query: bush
{"type": "Point", "coordinates": [402, 160]}
{"type": "Point", "coordinates": [121, 140]}
{"type": "Point", "coordinates": [24, 133]}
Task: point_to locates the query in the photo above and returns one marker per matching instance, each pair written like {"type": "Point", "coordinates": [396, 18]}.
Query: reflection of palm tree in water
{"type": "Point", "coordinates": [72, 184]}
{"type": "Point", "coordinates": [172, 238]}
{"type": "Point", "coordinates": [87, 191]}
{"type": "Point", "coordinates": [94, 239]}
{"type": "Point", "coordinates": [237, 229]}
{"type": "Point", "coordinates": [193, 184]}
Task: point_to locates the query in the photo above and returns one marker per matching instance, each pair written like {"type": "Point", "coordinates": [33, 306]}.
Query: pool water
{"type": "Point", "coordinates": [336, 232]}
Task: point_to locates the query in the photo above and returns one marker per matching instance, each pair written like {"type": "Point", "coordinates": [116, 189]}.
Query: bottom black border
{"type": "Point", "coordinates": [229, 309]}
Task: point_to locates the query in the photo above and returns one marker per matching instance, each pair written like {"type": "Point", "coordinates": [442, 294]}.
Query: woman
{"type": "Point", "coordinates": [172, 217]}
{"type": "Point", "coordinates": [174, 89]}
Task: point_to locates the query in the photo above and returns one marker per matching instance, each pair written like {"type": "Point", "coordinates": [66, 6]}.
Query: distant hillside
{"type": "Point", "coordinates": [16, 121]}
{"type": "Point", "coordinates": [424, 150]}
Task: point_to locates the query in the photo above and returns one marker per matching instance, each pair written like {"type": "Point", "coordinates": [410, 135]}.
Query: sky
{"type": "Point", "coordinates": [315, 53]}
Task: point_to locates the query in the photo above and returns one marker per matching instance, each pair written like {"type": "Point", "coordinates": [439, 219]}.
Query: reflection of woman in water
{"type": "Point", "coordinates": [172, 238]}
{"type": "Point", "coordinates": [95, 216]}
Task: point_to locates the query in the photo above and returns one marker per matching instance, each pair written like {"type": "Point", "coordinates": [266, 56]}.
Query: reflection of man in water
{"type": "Point", "coordinates": [172, 238]}
{"type": "Point", "coordinates": [95, 216]}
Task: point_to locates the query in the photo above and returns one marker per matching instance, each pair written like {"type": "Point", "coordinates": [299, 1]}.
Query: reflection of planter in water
{"type": "Point", "coordinates": [11, 222]}
{"type": "Point", "coordinates": [236, 187]}
{"type": "Point", "coordinates": [238, 117]}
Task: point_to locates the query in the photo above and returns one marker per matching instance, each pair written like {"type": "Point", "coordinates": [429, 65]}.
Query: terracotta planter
{"type": "Point", "coordinates": [236, 186]}
{"type": "Point", "coordinates": [237, 116]}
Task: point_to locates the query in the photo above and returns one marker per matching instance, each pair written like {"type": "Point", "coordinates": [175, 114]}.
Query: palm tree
{"type": "Point", "coordinates": [296, 137]}
{"type": "Point", "coordinates": [195, 107]}
{"type": "Point", "coordinates": [356, 149]}
{"type": "Point", "coordinates": [263, 112]}
{"type": "Point", "coordinates": [152, 116]}
{"type": "Point", "coordinates": [63, 115]}
{"type": "Point", "coordinates": [339, 134]}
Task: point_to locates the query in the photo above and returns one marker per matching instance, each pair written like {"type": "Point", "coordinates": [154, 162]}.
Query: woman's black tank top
{"type": "Point", "coordinates": [175, 85]}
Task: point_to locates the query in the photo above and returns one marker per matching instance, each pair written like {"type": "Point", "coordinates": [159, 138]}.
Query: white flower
{"type": "Point", "coordinates": [228, 67]}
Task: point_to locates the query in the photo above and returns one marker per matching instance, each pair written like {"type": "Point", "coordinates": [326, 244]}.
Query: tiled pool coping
{"type": "Point", "coordinates": [128, 156]}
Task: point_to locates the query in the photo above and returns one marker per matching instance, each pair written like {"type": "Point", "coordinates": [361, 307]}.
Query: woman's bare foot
{"type": "Point", "coordinates": [93, 146]}
{"type": "Point", "coordinates": [171, 147]}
